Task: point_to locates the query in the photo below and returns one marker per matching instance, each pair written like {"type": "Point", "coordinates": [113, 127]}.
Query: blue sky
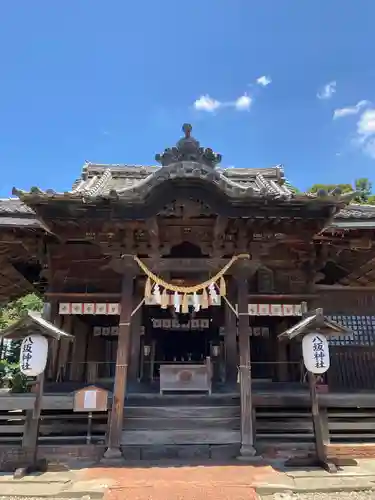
{"type": "Point", "coordinates": [112, 82]}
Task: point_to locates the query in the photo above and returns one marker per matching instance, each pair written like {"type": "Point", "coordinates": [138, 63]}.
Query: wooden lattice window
{"type": "Point", "coordinates": [362, 327]}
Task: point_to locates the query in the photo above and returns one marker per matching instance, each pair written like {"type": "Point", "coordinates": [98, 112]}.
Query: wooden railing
{"type": "Point", "coordinates": [352, 368]}
{"type": "Point", "coordinates": [280, 417]}
{"type": "Point", "coordinates": [56, 427]}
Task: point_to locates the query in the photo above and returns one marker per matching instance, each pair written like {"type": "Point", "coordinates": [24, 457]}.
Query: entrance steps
{"type": "Point", "coordinates": [181, 426]}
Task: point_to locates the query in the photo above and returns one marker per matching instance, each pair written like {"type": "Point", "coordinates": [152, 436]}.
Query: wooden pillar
{"type": "Point", "coordinates": [136, 325]}
{"type": "Point", "coordinates": [77, 368]}
{"type": "Point", "coordinates": [118, 399]}
{"type": "Point", "coordinates": [54, 345]}
{"type": "Point", "coordinates": [63, 352]}
{"type": "Point", "coordinates": [282, 355]}
{"type": "Point", "coordinates": [95, 348]}
{"type": "Point", "coordinates": [231, 338]}
{"type": "Point", "coordinates": [247, 437]}
{"type": "Point", "coordinates": [32, 420]}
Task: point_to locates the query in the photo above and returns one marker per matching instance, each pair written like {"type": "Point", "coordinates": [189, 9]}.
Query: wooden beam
{"type": "Point", "coordinates": [231, 338]}
{"type": "Point", "coordinates": [135, 338]}
{"type": "Point", "coordinates": [344, 288]}
{"type": "Point", "coordinates": [283, 296]}
{"type": "Point", "coordinates": [123, 344]}
{"type": "Point", "coordinates": [218, 232]}
{"type": "Point", "coordinates": [84, 297]}
{"type": "Point", "coordinates": [247, 432]}
{"type": "Point", "coordinates": [153, 231]}
{"type": "Point", "coordinates": [185, 265]}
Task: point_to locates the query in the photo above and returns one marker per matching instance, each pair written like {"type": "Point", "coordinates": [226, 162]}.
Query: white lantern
{"type": "Point", "coordinates": [315, 352]}
{"type": "Point", "coordinates": [33, 355]}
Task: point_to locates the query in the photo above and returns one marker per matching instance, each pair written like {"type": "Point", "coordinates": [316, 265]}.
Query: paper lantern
{"type": "Point", "coordinates": [315, 351]}
{"type": "Point", "coordinates": [33, 355]}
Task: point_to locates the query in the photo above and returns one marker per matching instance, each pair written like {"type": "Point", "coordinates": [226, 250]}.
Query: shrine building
{"type": "Point", "coordinates": [177, 282]}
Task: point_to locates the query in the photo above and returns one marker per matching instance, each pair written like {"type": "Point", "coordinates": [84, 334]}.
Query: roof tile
{"type": "Point", "coordinates": [14, 206]}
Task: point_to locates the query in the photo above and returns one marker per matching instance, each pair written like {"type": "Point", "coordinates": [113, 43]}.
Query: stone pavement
{"type": "Point", "coordinates": [168, 480]}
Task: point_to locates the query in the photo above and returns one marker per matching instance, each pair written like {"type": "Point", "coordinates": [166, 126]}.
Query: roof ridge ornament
{"type": "Point", "coordinates": [188, 149]}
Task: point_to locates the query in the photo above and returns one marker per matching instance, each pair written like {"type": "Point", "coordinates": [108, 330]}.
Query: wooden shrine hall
{"type": "Point", "coordinates": [176, 282]}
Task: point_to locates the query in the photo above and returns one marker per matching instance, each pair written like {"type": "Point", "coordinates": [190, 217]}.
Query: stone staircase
{"type": "Point", "coordinates": [182, 426]}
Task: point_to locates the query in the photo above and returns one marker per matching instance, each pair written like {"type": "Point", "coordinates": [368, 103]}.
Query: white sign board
{"type": "Point", "coordinates": [33, 355]}
{"type": "Point", "coordinates": [89, 401]}
{"type": "Point", "coordinates": [315, 351]}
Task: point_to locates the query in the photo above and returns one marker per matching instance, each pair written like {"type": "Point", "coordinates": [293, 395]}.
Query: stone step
{"type": "Point", "coordinates": [179, 423]}
{"type": "Point", "coordinates": [182, 400]}
{"type": "Point", "coordinates": [173, 412]}
{"type": "Point", "coordinates": [207, 436]}
{"type": "Point", "coordinates": [181, 452]}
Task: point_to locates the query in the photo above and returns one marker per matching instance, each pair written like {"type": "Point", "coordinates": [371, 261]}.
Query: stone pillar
{"type": "Point", "coordinates": [231, 337]}
{"type": "Point", "coordinates": [118, 399]}
{"type": "Point", "coordinates": [247, 432]}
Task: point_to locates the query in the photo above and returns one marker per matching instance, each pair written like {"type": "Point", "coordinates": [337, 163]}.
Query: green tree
{"type": "Point", "coordinates": [345, 188]}
{"type": "Point", "coordinates": [363, 187]}
{"type": "Point", "coordinates": [11, 312]}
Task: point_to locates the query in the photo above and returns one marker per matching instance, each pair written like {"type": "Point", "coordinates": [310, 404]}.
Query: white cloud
{"type": "Point", "coordinates": [366, 123]}
{"type": "Point", "coordinates": [370, 148]}
{"type": "Point", "coordinates": [327, 91]}
{"type": "Point", "coordinates": [350, 110]}
{"type": "Point", "coordinates": [366, 132]}
{"type": "Point", "coordinates": [207, 103]}
{"type": "Point", "coordinates": [243, 103]}
{"type": "Point", "coordinates": [264, 80]}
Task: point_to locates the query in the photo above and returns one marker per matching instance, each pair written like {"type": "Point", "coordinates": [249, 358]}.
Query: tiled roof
{"type": "Point", "coordinates": [14, 213]}
{"type": "Point", "coordinates": [10, 221]}
{"type": "Point", "coordinates": [14, 206]}
{"type": "Point", "coordinates": [355, 211]}
{"type": "Point", "coordinates": [134, 182]}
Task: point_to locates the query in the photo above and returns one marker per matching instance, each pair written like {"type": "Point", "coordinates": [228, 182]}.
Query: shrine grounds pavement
{"type": "Point", "coordinates": [188, 481]}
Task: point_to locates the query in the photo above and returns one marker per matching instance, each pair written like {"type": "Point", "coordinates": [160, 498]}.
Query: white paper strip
{"type": "Point", "coordinates": [89, 400]}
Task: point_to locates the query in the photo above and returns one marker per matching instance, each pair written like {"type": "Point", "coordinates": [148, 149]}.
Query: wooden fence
{"type": "Point", "coordinates": [63, 427]}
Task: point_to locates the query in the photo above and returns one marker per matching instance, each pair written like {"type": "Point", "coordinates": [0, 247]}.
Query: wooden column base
{"type": "Point", "coordinates": [112, 456]}
{"type": "Point", "coordinates": [312, 461]}
{"type": "Point", "coordinates": [248, 453]}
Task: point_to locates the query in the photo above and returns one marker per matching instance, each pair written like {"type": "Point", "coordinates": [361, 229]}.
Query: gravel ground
{"type": "Point", "coordinates": [354, 495]}
{"type": "Point", "coordinates": [343, 495]}
{"type": "Point", "coordinates": [85, 497]}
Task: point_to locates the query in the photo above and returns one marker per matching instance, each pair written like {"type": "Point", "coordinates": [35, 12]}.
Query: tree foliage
{"type": "Point", "coordinates": [363, 186]}
{"type": "Point", "coordinates": [12, 312]}
{"type": "Point", "coordinates": [10, 373]}
{"type": "Point", "coordinates": [345, 188]}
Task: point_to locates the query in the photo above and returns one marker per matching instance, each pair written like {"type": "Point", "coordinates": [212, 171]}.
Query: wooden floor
{"type": "Point", "coordinates": [264, 395]}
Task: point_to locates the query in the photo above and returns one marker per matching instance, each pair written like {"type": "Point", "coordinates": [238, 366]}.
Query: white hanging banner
{"type": "Point", "coordinates": [89, 308]}
{"type": "Point", "coordinates": [33, 355]}
{"type": "Point", "coordinates": [275, 309]}
{"type": "Point", "coordinates": [315, 351]}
